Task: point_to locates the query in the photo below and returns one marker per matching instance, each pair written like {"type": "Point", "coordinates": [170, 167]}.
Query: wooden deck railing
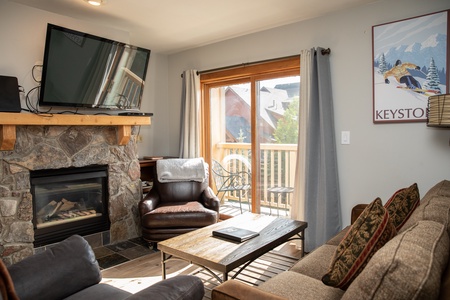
{"type": "Point", "coordinates": [130, 88]}
{"type": "Point", "coordinates": [277, 169]}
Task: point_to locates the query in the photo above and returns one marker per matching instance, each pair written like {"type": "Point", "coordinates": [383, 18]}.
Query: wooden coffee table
{"type": "Point", "coordinates": [199, 247]}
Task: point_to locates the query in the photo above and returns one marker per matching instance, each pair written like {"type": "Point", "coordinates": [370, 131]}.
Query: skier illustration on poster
{"type": "Point", "coordinates": [402, 75]}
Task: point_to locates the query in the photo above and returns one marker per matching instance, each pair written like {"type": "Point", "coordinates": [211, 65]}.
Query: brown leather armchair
{"type": "Point", "coordinates": [174, 208]}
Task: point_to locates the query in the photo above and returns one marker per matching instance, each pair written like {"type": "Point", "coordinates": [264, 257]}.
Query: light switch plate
{"type": "Point", "coordinates": [345, 137]}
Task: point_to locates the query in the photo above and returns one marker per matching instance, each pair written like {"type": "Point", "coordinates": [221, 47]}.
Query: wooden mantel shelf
{"type": "Point", "coordinates": [9, 121]}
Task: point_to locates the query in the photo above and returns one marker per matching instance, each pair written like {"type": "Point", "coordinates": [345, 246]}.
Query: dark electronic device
{"type": "Point", "coordinates": [136, 114]}
{"type": "Point", "coordinates": [84, 70]}
{"type": "Point", "coordinates": [9, 94]}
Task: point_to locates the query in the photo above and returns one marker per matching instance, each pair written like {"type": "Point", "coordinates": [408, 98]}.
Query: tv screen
{"type": "Point", "coordinates": [83, 70]}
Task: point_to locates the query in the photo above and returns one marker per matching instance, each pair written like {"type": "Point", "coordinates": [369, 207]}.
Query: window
{"type": "Point", "coordinates": [251, 117]}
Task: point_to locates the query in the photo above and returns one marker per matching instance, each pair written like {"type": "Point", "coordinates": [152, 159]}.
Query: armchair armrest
{"type": "Point", "coordinates": [233, 289]}
{"type": "Point", "coordinates": [149, 203]}
{"type": "Point", "coordinates": [210, 200]}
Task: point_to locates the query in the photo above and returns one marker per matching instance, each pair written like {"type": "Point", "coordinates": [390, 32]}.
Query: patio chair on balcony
{"type": "Point", "coordinates": [280, 191]}
{"type": "Point", "coordinates": [230, 182]}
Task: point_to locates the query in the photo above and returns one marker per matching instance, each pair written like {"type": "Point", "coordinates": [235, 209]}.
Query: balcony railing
{"type": "Point", "coordinates": [130, 88]}
{"type": "Point", "coordinates": [277, 163]}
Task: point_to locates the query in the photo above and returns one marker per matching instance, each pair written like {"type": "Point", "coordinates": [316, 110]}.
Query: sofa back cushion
{"type": "Point", "coordinates": [409, 266]}
{"type": "Point", "coordinates": [434, 206]}
{"type": "Point", "coordinates": [58, 272]}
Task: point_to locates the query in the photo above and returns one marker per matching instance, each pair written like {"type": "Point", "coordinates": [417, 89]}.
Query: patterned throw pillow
{"type": "Point", "coordinates": [370, 232]}
{"type": "Point", "coordinates": [402, 204]}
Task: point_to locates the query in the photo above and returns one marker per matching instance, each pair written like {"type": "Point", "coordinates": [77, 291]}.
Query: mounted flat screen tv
{"type": "Point", "coordinates": [83, 70]}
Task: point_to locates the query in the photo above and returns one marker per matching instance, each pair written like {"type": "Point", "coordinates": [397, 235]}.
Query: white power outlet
{"type": "Point", "coordinates": [345, 137]}
{"type": "Point", "coordinates": [37, 71]}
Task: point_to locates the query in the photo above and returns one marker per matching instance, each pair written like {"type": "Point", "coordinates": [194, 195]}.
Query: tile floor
{"type": "Point", "coordinates": [114, 254]}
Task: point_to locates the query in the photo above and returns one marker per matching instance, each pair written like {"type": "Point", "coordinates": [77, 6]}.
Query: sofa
{"type": "Point", "coordinates": [69, 270]}
{"type": "Point", "coordinates": [409, 259]}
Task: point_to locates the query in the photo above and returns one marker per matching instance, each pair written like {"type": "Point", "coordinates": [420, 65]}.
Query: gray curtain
{"type": "Point", "coordinates": [316, 192]}
{"type": "Point", "coordinates": [190, 115]}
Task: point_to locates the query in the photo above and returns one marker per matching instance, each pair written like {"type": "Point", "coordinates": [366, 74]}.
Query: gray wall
{"type": "Point", "coordinates": [22, 36]}
{"type": "Point", "coordinates": [380, 158]}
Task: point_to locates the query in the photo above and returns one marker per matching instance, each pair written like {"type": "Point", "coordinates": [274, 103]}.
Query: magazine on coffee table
{"type": "Point", "coordinates": [235, 234]}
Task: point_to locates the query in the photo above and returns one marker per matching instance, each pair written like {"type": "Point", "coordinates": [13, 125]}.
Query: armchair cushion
{"type": "Point", "coordinates": [183, 214]}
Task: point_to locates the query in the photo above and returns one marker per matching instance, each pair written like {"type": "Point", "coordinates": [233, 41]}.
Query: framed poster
{"type": "Point", "coordinates": [410, 63]}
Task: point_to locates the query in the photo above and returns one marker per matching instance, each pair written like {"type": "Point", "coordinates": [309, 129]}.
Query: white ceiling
{"type": "Point", "coordinates": [170, 26]}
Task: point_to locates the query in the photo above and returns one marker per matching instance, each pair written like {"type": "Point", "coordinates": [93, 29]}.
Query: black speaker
{"type": "Point", "coordinates": [9, 94]}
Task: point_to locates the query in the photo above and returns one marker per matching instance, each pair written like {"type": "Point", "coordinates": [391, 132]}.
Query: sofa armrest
{"type": "Point", "coordinates": [356, 211]}
{"type": "Point", "coordinates": [178, 287]}
{"type": "Point", "coordinates": [233, 289]}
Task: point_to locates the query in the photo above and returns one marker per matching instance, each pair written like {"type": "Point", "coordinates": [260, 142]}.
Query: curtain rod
{"type": "Point", "coordinates": [324, 52]}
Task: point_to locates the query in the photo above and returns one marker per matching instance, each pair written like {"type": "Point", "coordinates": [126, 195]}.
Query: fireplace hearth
{"type": "Point", "coordinates": [69, 201]}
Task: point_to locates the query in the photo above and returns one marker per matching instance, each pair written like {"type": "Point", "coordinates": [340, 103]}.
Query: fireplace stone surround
{"type": "Point", "coordinates": [54, 147]}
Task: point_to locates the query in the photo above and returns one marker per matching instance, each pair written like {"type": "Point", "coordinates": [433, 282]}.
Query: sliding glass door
{"type": "Point", "coordinates": [250, 139]}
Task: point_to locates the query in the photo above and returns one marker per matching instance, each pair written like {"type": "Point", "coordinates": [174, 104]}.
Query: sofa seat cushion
{"type": "Point", "coordinates": [178, 287]}
{"type": "Point", "coordinates": [410, 266]}
{"type": "Point", "coordinates": [316, 263]}
{"type": "Point", "coordinates": [100, 291]}
{"type": "Point", "coordinates": [180, 215]}
{"type": "Point", "coordinates": [370, 232]}
{"type": "Point", "coordinates": [402, 204]}
{"type": "Point", "coordinates": [292, 285]}
{"type": "Point", "coordinates": [235, 289]}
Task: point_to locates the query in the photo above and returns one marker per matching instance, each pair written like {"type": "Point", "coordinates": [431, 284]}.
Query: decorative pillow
{"type": "Point", "coordinates": [402, 204]}
{"type": "Point", "coordinates": [370, 232]}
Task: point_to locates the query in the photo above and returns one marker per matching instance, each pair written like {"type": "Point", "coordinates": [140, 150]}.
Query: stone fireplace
{"type": "Point", "coordinates": [57, 147]}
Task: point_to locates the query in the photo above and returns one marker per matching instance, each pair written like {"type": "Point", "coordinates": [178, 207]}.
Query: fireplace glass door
{"type": "Point", "coordinates": [69, 201]}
